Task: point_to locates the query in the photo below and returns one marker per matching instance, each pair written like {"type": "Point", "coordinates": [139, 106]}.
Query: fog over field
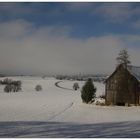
{"type": "Point", "coordinates": [54, 42]}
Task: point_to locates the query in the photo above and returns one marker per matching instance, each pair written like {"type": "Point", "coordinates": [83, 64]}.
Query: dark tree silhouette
{"type": "Point", "coordinates": [38, 88]}
{"type": "Point", "coordinates": [88, 91]}
{"type": "Point", "coordinates": [75, 86]}
{"type": "Point", "coordinates": [123, 58]}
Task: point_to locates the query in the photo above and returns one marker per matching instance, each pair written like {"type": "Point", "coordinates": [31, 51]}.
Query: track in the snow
{"type": "Point", "coordinates": [57, 85]}
{"type": "Point", "coordinates": [61, 112]}
{"type": "Point", "coordinates": [25, 130]}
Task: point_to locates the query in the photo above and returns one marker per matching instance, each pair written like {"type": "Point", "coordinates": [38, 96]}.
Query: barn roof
{"type": "Point", "coordinates": [135, 71]}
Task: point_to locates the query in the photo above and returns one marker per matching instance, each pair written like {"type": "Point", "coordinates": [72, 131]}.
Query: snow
{"type": "Point", "coordinates": [135, 71]}
{"type": "Point", "coordinates": [59, 112]}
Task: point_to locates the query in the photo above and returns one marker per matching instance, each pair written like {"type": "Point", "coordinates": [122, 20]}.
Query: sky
{"type": "Point", "coordinates": [67, 37]}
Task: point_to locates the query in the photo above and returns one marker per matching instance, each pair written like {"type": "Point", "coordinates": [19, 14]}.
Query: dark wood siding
{"type": "Point", "coordinates": [122, 88]}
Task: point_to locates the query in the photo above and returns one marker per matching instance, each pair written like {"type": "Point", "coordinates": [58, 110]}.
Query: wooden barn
{"type": "Point", "coordinates": [123, 86]}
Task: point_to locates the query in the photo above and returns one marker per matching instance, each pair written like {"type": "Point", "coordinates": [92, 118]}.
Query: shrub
{"type": "Point", "coordinates": [102, 96]}
{"type": "Point", "coordinates": [12, 86]}
{"type": "Point", "coordinates": [99, 101]}
{"type": "Point", "coordinates": [6, 81]}
{"type": "Point", "coordinates": [8, 88]}
{"type": "Point", "coordinates": [88, 91]}
{"type": "Point", "coordinates": [75, 86]}
{"type": "Point", "coordinates": [38, 88]}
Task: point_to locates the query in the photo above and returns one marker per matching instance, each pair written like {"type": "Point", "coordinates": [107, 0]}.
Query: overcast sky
{"type": "Point", "coordinates": [67, 38]}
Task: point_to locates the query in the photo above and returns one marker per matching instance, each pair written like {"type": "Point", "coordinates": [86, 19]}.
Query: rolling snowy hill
{"type": "Point", "coordinates": [58, 112]}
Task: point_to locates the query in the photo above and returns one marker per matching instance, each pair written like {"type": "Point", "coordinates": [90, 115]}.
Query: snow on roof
{"type": "Point", "coordinates": [135, 71]}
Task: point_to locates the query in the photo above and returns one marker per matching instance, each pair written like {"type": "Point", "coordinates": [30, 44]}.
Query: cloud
{"type": "Point", "coordinates": [50, 49]}
{"type": "Point", "coordinates": [58, 13]}
{"type": "Point", "coordinates": [117, 12]}
{"type": "Point", "coordinates": [14, 29]}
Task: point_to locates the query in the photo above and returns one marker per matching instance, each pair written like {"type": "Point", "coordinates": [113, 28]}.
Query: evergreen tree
{"type": "Point", "coordinates": [88, 91]}
{"type": "Point", "coordinates": [123, 57]}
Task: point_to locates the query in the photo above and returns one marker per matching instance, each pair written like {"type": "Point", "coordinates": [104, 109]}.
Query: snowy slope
{"type": "Point", "coordinates": [29, 112]}
{"type": "Point", "coordinates": [30, 105]}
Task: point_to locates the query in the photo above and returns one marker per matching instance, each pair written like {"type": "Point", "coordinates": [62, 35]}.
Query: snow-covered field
{"type": "Point", "coordinates": [58, 112]}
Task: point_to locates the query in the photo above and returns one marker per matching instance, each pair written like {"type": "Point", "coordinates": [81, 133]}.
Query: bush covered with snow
{"type": "Point", "coordinates": [102, 96]}
{"type": "Point", "coordinates": [6, 81]}
{"type": "Point", "coordinates": [38, 88]}
{"type": "Point", "coordinates": [99, 101]}
{"type": "Point", "coordinates": [13, 86]}
{"type": "Point", "coordinates": [75, 86]}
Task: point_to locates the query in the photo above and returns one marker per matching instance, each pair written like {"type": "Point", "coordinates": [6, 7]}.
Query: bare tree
{"type": "Point", "coordinates": [123, 57]}
{"type": "Point", "coordinates": [76, 86]}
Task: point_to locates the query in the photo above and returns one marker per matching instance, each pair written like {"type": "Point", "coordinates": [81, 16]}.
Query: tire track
{"type": "Point", "coordinates": [57, 85]}
{"type": "Point", "coordinates": [26, 130]}
{"type": "Point", "coordinates": [61, 112]}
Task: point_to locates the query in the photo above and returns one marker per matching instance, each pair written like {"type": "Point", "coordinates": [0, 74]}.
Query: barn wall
{"type": "Point", "coordinates": [122, 88]}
